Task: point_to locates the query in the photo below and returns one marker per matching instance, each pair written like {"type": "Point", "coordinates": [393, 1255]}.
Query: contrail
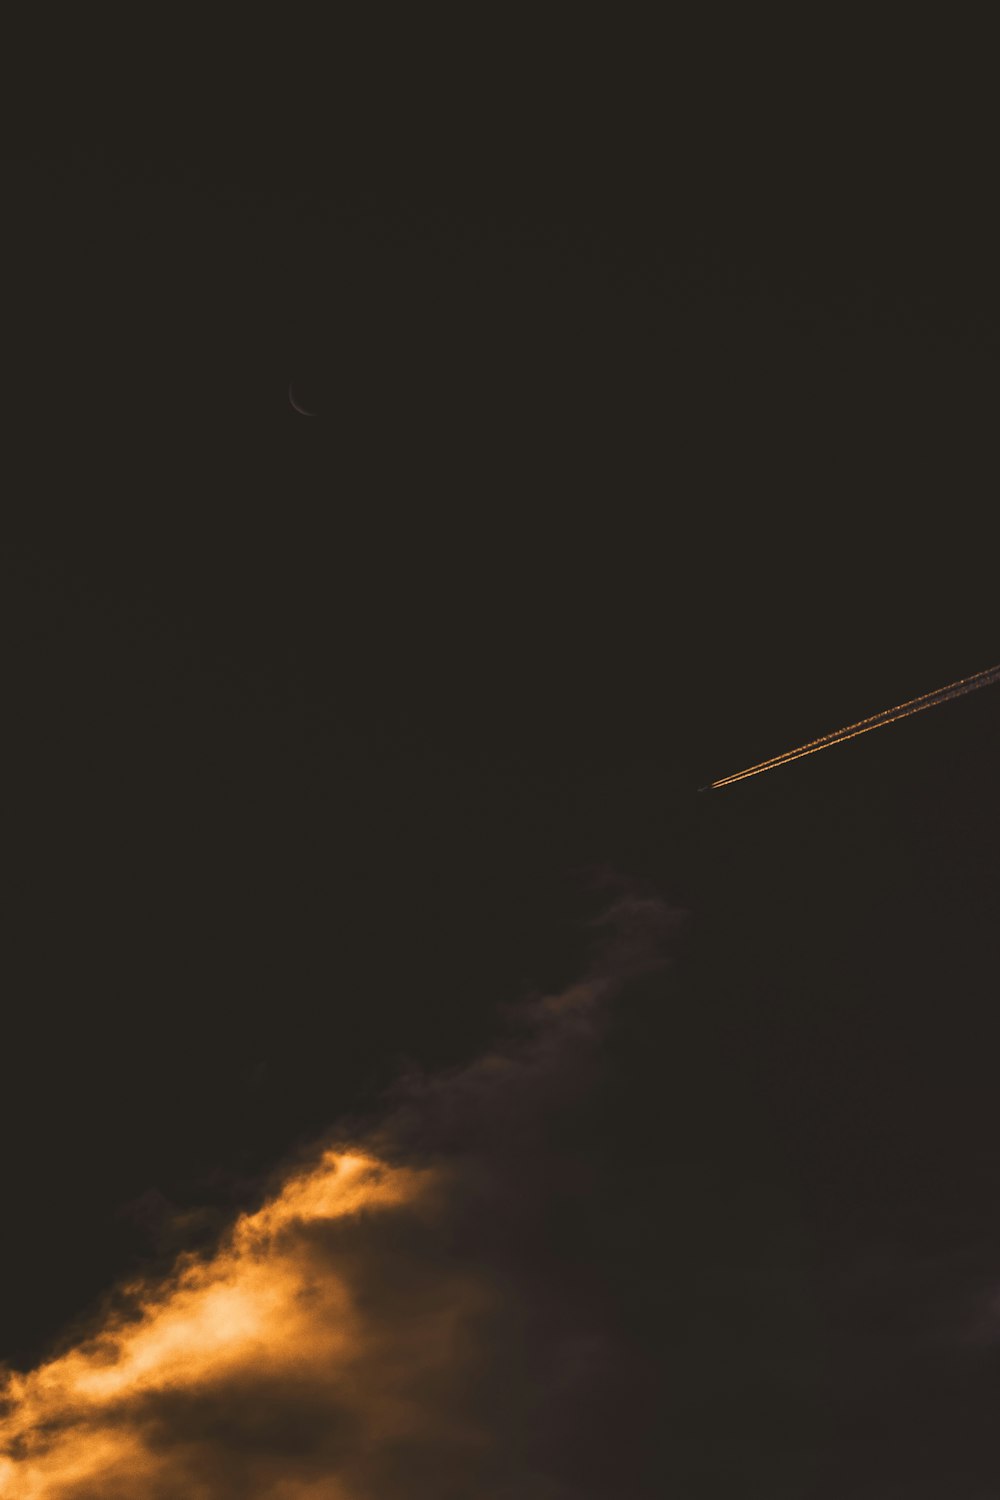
{"type": "Point", "coordinates": [875, 721]}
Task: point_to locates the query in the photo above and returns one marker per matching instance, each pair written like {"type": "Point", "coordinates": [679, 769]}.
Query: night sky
{"type": "Point", "coordinates": [351, 832]}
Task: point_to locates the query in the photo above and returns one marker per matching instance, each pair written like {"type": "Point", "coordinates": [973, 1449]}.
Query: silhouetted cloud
{"type": "Point", "coordinates": [420, 1308]}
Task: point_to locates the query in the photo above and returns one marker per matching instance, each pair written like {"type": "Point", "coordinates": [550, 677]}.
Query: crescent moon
{"type": "Point", "coordinates": [302, 411]}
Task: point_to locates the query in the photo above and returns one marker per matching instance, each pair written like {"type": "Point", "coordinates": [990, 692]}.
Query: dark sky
{"type": "Point", "coordinates": [655, 434]}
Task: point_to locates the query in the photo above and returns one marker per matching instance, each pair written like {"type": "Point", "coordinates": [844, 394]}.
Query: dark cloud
{"type": "Point", "coordinates": [554, 1273]}
{"type": "Point", "coordinates": [426, 1305]}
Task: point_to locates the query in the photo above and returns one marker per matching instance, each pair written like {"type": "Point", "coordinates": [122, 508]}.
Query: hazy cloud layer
{"type": "Point", "coordinates": [417, 1310]}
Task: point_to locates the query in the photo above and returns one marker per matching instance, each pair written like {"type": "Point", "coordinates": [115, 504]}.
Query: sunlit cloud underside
{"type": "Point", "coordinates": [270, 1308]}
{"type": "Point", "coordinates": [409, 1312]}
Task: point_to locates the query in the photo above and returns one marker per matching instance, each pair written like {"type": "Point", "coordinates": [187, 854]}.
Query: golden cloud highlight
{"type": "Point", "coordinates": [409, 1315]}
{"type": "Point", "coordinates": [268, 1299]}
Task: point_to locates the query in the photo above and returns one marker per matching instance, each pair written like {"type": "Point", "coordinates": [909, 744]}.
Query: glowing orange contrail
{"type": "Point", "coordinates": [863, 726]}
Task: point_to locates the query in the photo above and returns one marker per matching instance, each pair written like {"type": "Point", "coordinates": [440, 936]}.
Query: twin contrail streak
{"type": "Point", "coordinates": [876, 721]}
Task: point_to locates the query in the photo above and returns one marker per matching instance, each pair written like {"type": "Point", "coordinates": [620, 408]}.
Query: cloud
{"type": "Point", "coordinates": [419, 1307]}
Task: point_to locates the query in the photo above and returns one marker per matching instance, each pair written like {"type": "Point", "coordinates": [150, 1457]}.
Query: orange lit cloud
{"type": "Point", "coordinates": [372, 1330]}
{"type": "Point", "coordinates": [269, 1306]}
